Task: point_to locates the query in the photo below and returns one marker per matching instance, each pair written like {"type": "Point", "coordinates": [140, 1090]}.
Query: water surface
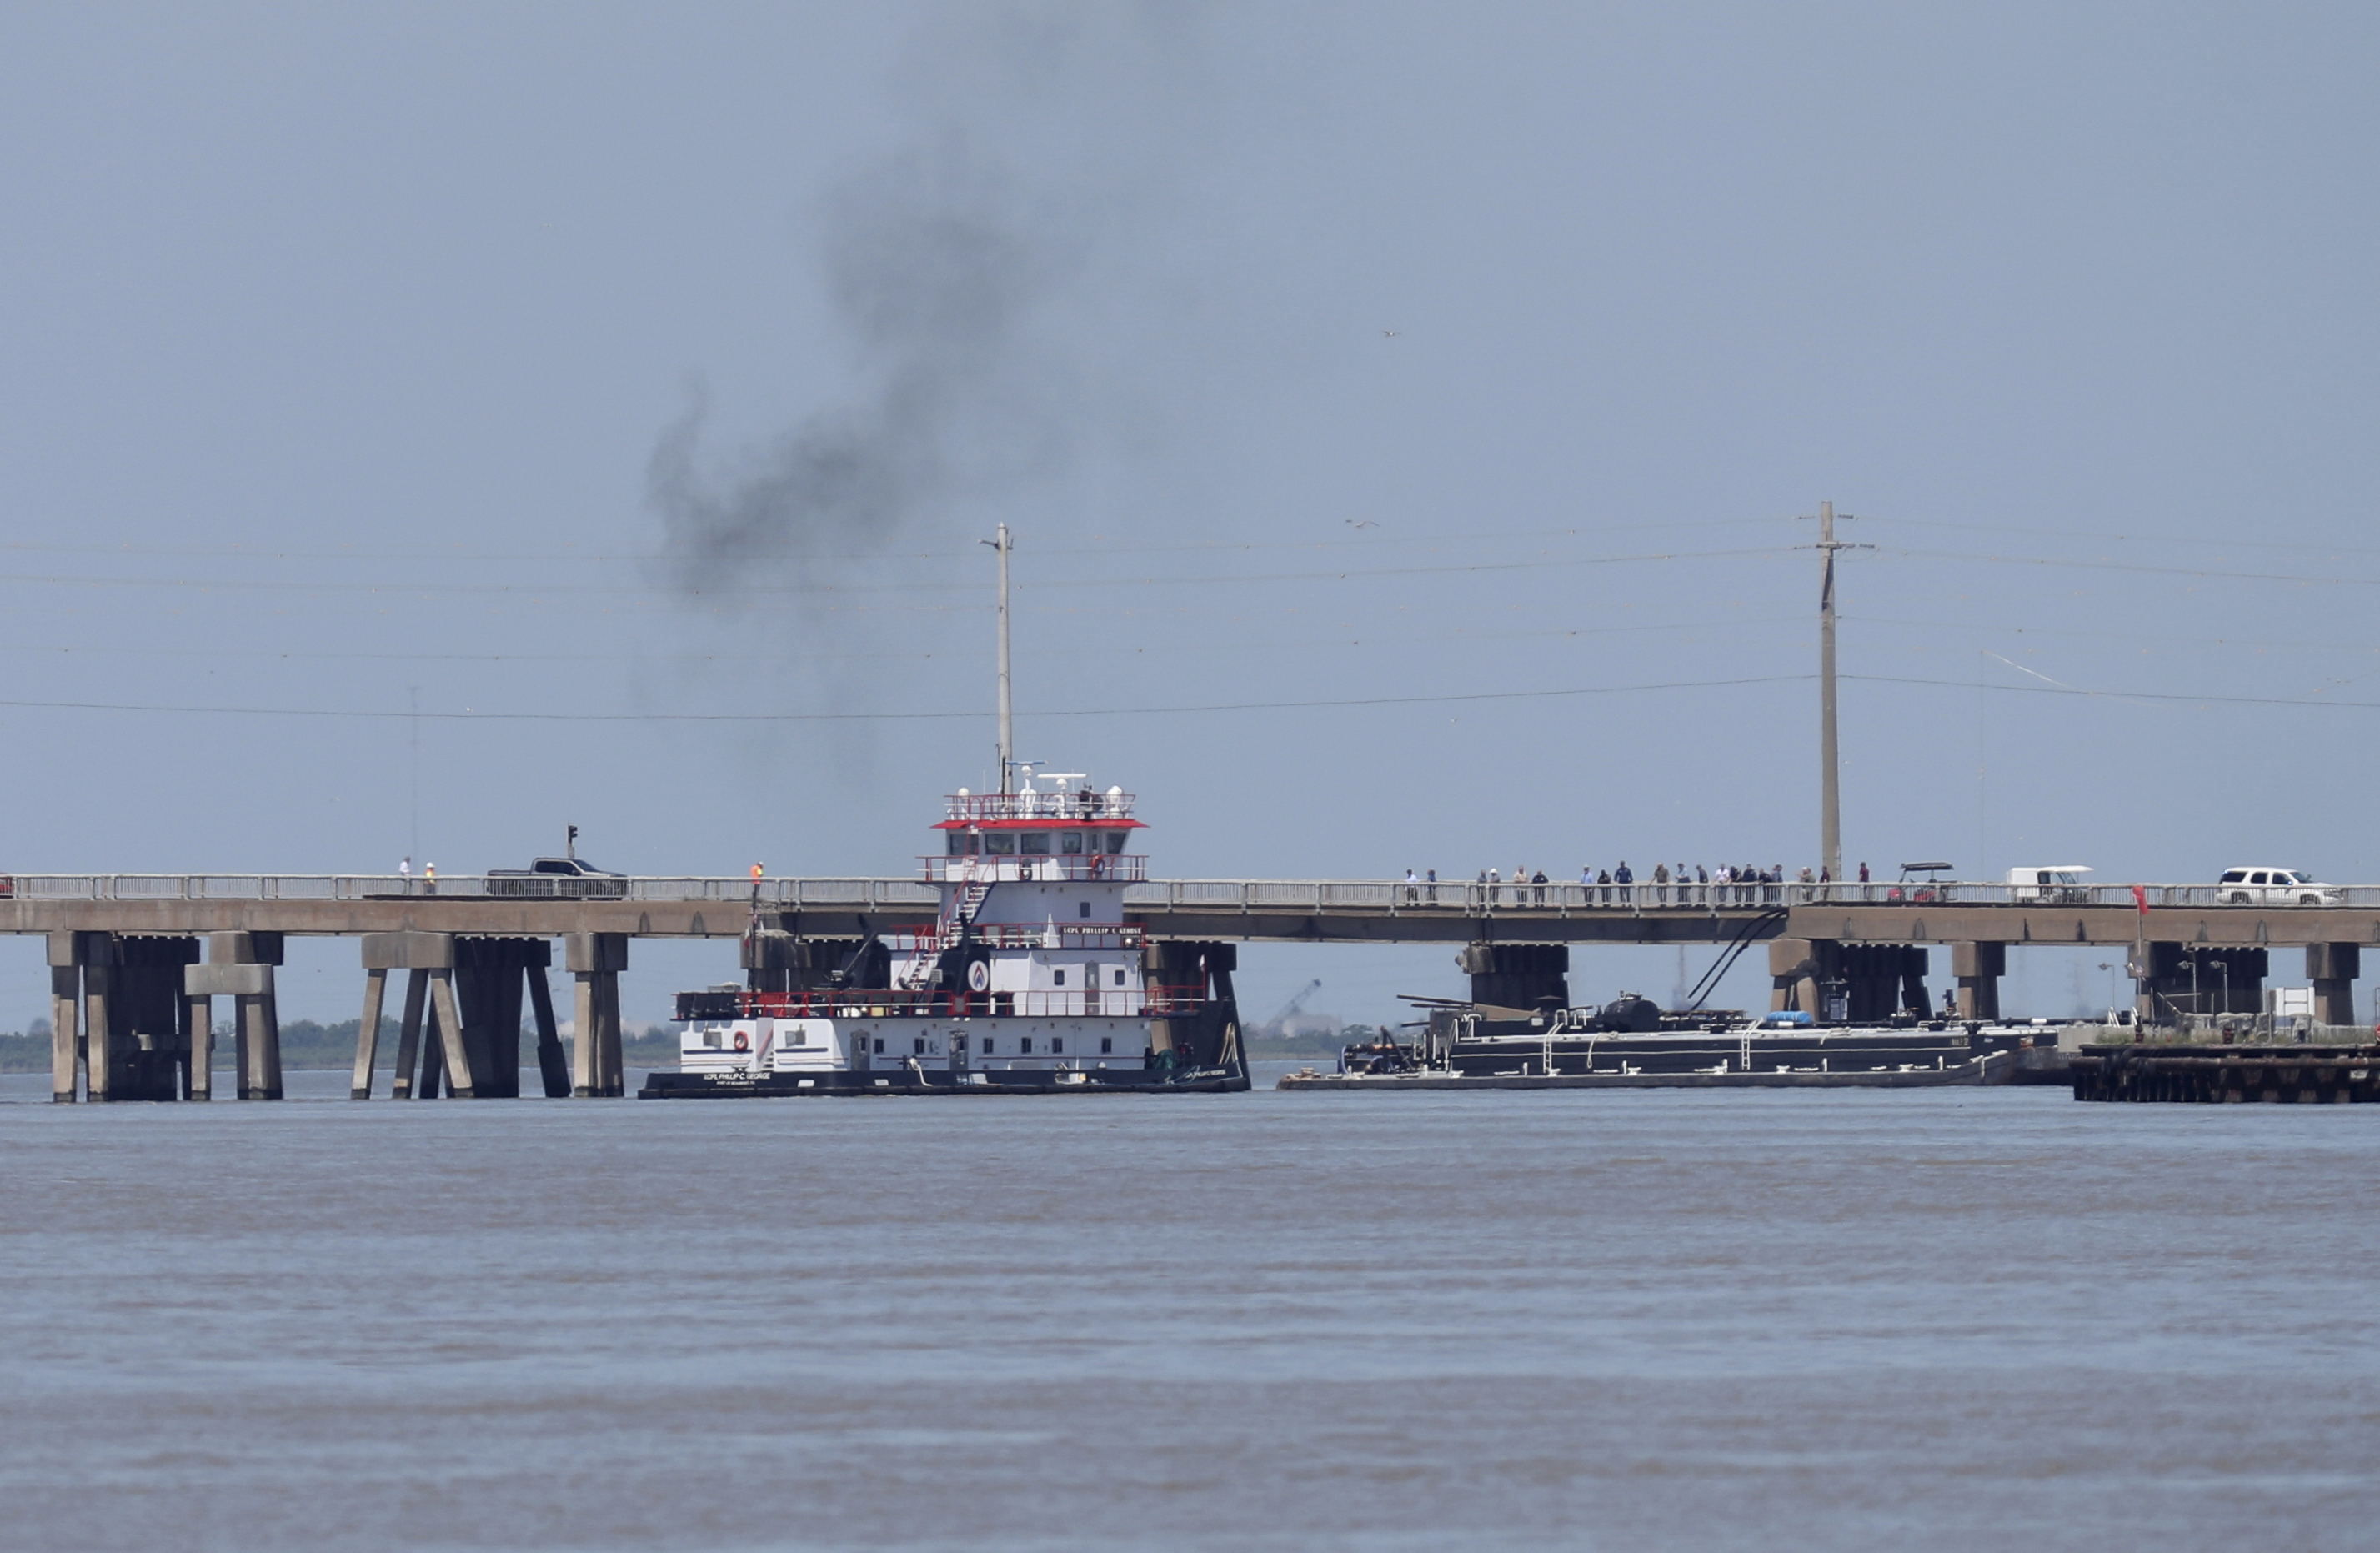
{"type": "Point", "coordinates": [1954, 1318]}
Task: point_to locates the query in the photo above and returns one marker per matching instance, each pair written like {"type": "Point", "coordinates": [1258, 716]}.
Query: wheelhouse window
{"type": "Point", "coordinates": [1034, 844]}
{"type": "Point", "coordinates": [998, 843]}
{"type": "Point", "coordinates": [962, 844]}
{"type": "Point", "coordinates": [1115, 840]}
{"type": "Point", "coordinates": [1070, 843]}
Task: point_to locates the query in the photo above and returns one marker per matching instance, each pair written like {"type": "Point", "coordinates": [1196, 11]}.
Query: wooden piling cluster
{"type": "Point", "coordinates": [2217, 1075]}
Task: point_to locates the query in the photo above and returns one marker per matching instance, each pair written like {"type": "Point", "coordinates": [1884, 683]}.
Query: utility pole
{"type": "Point", "coordinates": [1831, 799]}
{"type": "Point", "coordinates": [1007, 729]}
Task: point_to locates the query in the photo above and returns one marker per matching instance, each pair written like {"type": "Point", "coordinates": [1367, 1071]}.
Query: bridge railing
{"type": "Point", "coordinates": [1473, 897]}
{"type": "Point", "coordinates": [1394, 896]}
{"type": "Point", "coordinates": [863, 894]}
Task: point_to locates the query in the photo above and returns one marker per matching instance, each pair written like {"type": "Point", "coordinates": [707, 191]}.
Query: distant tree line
{"type": "Point", "coordinates": [307, 1044]}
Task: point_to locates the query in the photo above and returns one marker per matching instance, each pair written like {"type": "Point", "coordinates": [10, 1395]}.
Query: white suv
{"type": "Point", "coordinates": [2275, 887]}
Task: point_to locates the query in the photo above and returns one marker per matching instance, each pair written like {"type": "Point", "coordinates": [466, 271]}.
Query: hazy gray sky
{"type": "Point", "coordinates": [574, 371]}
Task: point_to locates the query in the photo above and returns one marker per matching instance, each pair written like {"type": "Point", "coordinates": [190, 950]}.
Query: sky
{"type": "Point", "coordinates": [425, 427]}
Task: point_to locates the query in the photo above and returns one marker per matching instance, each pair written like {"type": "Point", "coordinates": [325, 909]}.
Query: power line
{"type": "Point", "coordinates": [468, 715]}
{"type": "Point", "coordinates": [531, 592]}
{"type": "Point", "coordinates": [2055, 689]}
{"type": "Point", "coordinates": [2124, 566]}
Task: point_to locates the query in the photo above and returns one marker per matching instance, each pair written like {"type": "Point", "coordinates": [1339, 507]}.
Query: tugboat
{"type": "Point", "coordinates": [1027, 981]}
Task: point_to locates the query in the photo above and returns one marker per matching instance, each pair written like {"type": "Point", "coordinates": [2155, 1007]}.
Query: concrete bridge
{"type": "Point", "coordinates": [125, 949]}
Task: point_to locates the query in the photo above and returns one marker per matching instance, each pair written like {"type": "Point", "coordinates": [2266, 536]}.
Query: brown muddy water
{"type": "Point", "coordinates": [1922, 1319]}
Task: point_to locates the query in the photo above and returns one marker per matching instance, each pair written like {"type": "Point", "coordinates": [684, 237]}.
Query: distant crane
{"type": "Point", "coordinates": [1291, 1009]}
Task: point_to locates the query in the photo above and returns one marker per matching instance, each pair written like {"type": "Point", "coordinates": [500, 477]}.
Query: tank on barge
{"type": "Point", "coordinates": [1028, 980]}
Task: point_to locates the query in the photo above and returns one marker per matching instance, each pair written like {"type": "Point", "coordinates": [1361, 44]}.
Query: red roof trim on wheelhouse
{"type": "Point", "coordinates": [1054, 823]}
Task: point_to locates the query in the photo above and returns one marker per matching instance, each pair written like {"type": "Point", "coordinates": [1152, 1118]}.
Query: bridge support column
{"type": "Point", "coordinates": [1798, 970]}
{"type": "Point", "coordinates": [151, 1034]}
{"type": "Point", "coordinates": [240, 965]}
{"type": "Point", "coordinates": [552, 1063]}
{"type": "Point", "coordinates": [1979, 967]}
{"type": "Point", "coordinates": [488, 972]}
{"type": "Point", "coordinates": [596, 961]}
{"type": "Point", "coordinates": [1517, 976]}
{"type": "Point", "coordinates": [425, 957]}
{"type": "Point", "coordinates": [2199, 978]}
{"type": "Point", "coordinates": [96, 951]}
{"type": "Point", "coordinates": [199, 1014]}
{"type": "Point", "coordinates": [66, 1017]}
{"type": "Point", "coordinates": [368, 1033]}
{"type": "Point", "coordinates": [1166, 965]}
{"type": "Point", "coordinates": [2333, 967]}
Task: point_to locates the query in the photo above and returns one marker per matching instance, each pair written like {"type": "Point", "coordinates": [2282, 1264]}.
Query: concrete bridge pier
{"type": "Point", "coordinates": [1798, 971]}
{"type": "Point", "coordinates": [2333, 967]}
{"type": "Point", "coordinates": [489, 976]}
{"type": "Point", "coordinates": [1517, 976]}
{"type": "Point", "coordinates": [431, 1012]}
{"type": "Point", "coordinates": [778, 962]}
{"type": "Point", "coordinates": [66, 1017]}
{"type": "Point", "coordinates": [116, 1014]}
{"type": "Point", "coordinates": [2201, 978]}
{"type": "Point", "coordinates": [1978, 967]}
{"type": "Point", "coordinates": [150, 1034]}
{"type": "Point", "coordinates": [596, 961]}
{"type": "Point", "coordinates": [240, 965]}
{"type": "Point", "coordinates": [1875, 981]}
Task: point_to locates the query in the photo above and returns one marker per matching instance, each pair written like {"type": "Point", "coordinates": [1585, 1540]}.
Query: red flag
{"type": "Point", "coordinates": [2141, 899]}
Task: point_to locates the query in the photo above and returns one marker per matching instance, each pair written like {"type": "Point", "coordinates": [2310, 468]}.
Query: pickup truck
{"type": "Point", "coordinates": [567, 879]}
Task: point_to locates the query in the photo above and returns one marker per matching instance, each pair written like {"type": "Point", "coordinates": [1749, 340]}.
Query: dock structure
{"type": "Point", "coordinates": [2306, 1075]}
{"type": "Point", "coordinates": [136, 961]}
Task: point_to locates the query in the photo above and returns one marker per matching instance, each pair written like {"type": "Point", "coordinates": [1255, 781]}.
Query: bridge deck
{"type": "Point", "coordinates": [1246, 910]}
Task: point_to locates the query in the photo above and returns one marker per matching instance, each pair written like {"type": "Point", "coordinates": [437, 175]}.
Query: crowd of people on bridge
{"type": "Point", "coordinates": [1729, 884]}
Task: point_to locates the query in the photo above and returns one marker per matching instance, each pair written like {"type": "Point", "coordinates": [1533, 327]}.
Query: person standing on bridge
{"type": "Point", "coordinates": [1603, 878]}
{"type": "Point", "coordinates": [429, 878]}
{"type": "Point", "coordinates": [1538, 879]}
{"type": "Point", "coordinates": [404, 873]}
{"type": "Point", "coordinates": [1413, 888]}
{"type": "Point", "coordinates": [1622, 878]}
{"type": "Point", "coordinates": [1433, 887]}
{"type": "Point", "coordinates": [1660, 884]}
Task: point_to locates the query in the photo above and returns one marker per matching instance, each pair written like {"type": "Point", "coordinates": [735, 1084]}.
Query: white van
{"type": "Point", "coordinates": [2059, 882]}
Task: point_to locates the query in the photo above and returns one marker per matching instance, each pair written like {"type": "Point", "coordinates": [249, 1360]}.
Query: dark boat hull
{"type": "Point", "coordinates": [662, 1085]}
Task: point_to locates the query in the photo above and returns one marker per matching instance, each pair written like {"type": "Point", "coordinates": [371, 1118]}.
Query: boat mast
{"type": "Point", "coordinates": [1007, 728]}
